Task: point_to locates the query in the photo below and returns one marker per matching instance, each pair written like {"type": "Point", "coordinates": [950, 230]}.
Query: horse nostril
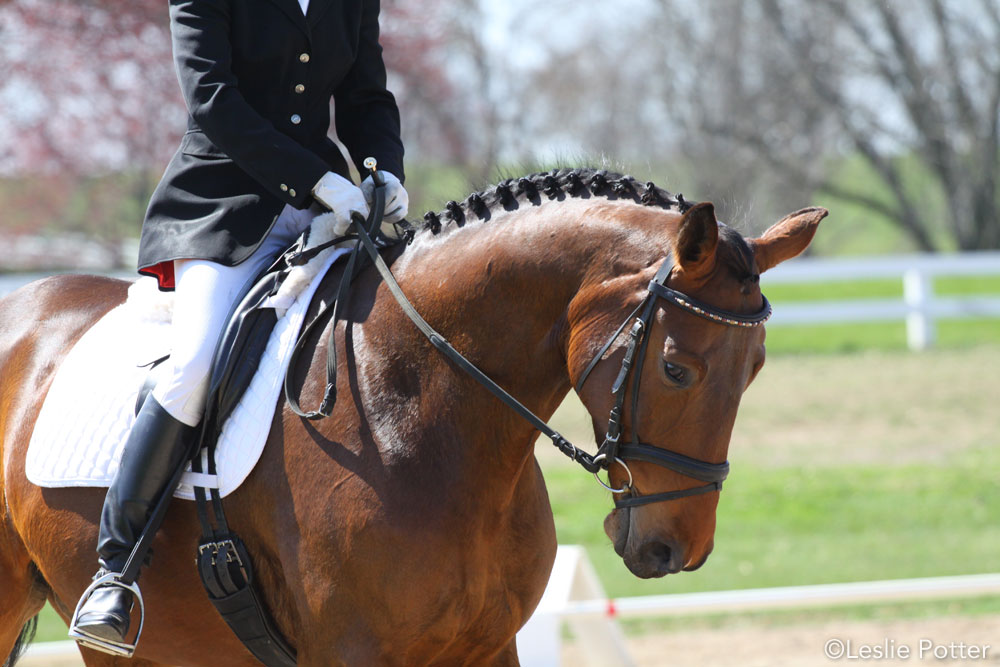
{"type": "Point", "coordinates": [660, 552]}
{"type": "Point", "coordinates": [661, 558]}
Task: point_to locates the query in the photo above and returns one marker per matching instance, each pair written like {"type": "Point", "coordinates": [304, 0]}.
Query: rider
{"type": "Point", "coordinates": [253, 169]}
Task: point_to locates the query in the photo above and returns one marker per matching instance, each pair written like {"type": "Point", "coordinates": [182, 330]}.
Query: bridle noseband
{"type": "Point", "coordinates": [613, 450]}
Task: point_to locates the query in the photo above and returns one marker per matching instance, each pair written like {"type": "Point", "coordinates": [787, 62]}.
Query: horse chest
{"type": "Point", "coordinates": [458, 575]}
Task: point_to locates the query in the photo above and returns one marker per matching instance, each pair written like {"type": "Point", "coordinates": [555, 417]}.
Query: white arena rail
{"type": "Point", "coordinates": [574, 596]}
{"type": "Point", "coordinates": [919, 306]}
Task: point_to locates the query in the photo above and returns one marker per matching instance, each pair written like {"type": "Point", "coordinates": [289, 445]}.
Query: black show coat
{"type": "Point", "coordinates": [257, 77]}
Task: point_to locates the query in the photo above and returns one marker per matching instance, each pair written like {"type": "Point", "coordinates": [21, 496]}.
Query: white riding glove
{"type": "Point", "coordinates": [343, 198]}
{"type": "Point", "coordinates": [397, 202]}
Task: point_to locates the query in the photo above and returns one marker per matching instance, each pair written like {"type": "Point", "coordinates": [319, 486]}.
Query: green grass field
{"type": "Point", "coordinates": [852, 460]}
{"type": "Point", "coordinates": [816, 524]}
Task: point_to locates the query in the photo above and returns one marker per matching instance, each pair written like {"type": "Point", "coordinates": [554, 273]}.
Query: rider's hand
{"type": "Point", "coordinates": [397, 202]}
{"type": "Point", "coordinates": [342, 197]}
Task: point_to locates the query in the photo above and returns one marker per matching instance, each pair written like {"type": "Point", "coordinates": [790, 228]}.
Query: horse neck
{"type": "Point", "coordinates": [500, 291]}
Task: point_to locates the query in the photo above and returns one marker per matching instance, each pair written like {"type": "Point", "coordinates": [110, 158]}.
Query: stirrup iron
{"type": "Point", "coordinates": [123, 649]}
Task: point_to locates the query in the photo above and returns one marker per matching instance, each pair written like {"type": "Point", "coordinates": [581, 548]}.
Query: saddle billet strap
{"type": "Point", "coordinates": [637, 501]}
{"type": "Point", "coordinates": [226, 572]}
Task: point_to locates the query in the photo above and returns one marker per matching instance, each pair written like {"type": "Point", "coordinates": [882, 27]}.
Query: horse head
{"type": "Point", "coordinates": [680, 387]}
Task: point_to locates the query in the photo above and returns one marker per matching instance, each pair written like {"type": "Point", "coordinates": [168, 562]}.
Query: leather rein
{"type": "Point", "coordinates": [612, 450]}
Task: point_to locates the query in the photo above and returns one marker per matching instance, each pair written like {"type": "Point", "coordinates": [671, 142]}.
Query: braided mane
{"type": "Point", "coordinates": [533, 189]}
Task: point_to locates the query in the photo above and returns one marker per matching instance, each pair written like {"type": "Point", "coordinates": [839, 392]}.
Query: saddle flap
{"type": "Point", "coordinates": [240, 351]}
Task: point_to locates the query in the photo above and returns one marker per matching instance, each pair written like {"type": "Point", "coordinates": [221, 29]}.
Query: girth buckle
{"type": "Point", "coordinates": [227, 547]}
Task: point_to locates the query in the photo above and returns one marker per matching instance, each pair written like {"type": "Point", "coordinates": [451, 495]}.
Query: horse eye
{"type": "Point", "coordinates": [676, 373]}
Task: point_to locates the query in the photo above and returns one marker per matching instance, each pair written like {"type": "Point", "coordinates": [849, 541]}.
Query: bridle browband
{"type": "Point", "coordinates": [612, 450]}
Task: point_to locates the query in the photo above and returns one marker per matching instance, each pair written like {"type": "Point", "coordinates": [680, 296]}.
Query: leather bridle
{"type": "Point", "coordinates": [612, 450]}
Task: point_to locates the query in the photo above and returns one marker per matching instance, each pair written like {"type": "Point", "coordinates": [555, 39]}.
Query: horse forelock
{"type": "Point", "coordinates": [556, 185]}
{"type": "Point", "coordinates": [736, 254]}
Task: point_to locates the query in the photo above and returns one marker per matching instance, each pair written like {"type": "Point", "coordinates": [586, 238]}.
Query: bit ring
{"type": "Point", "coordinates": [624, 489]}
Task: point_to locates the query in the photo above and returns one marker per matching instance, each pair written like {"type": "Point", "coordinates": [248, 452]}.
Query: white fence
{"type": "Point", "coordinates": [919, 307]}
{"type": "Point", "coordinates": [574, 596]}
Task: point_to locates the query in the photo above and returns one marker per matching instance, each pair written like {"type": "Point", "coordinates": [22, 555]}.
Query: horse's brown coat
{"type": "Point", "coordinates": [412, 526]}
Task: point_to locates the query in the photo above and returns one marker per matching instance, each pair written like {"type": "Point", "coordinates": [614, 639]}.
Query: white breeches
{"type": "Point", "coordinates": [204, 294]}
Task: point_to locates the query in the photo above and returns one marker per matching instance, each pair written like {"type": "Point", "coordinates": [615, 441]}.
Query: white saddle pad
{"type": "Point", "coordinates": [89, 409]}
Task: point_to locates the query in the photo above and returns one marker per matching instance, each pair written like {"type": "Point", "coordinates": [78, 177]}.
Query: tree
{"type": "Point", "coordinates": [448, 81]}
{"type": "Point", "coordinates": [913, 88]}
{"type": "Point", "coordinates": [413, 37]}
{"type": "Point", "coordinates": [91, 110]}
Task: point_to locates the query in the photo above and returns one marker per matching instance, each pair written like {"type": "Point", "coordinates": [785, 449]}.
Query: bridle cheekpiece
{"type": "Point", "coordinates": [612, 450]}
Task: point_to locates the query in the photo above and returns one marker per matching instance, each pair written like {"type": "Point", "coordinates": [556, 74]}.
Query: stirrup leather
{"type": "Point", "coordinates": [123, 649]}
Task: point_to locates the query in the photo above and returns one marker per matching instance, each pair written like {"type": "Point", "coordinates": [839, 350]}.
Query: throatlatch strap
{"type": "Point", "coordinates": [597, 358]}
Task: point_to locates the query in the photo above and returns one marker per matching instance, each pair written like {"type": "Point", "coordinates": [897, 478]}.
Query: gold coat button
{"type": "Point", "coordinates": [300, 89]}
{"type": "Point", "coordinates": [291, 192]}
{"type": "Point", "coordinates": [296, 119]}
{"type": "Point", "coordinates": [284, 188]}
{"type": "Point", "coordinates": [303, 57]}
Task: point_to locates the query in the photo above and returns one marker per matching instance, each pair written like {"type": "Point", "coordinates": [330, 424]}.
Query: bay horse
{"type": "Point", "coordinates": [413, 526]}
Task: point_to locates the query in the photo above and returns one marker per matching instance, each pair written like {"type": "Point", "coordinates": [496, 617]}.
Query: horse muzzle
{"type": "Point", "coordinates": [649, 559]}
{"type": "Point", "coordinates": [655, 558]}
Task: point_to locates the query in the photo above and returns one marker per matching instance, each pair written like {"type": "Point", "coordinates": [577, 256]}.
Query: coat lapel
{"type": "Point", "coordinates": [294, 12]}
{"type": "Point", "coordinates": [317, 8]}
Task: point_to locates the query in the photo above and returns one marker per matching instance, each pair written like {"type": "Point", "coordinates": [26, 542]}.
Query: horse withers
{"type": "Point", "coordinates": [413, 525]}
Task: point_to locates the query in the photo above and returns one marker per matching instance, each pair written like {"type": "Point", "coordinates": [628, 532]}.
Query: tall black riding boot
{"type": "Point", "coordinates": [157, 445]}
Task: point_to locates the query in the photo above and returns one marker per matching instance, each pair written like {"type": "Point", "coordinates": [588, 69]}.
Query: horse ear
{"type": "Point", "coordinates": [786, 238]}
{"type": "Point", "coordinates": [697, 239]}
